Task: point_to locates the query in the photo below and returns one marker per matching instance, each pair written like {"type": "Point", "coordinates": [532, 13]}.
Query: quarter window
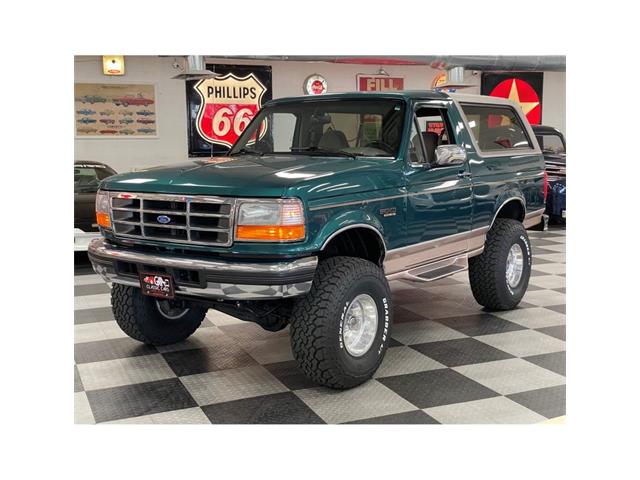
{"type": "Point", "coordinates": [414, 149]}
{"type": "Point", "coordinates": [496, 128]}
{"type": "Point", "coordinates": [432, 123]}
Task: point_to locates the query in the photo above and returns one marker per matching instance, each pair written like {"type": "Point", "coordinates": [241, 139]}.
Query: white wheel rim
{"type": "Point", "coordinates": [360, 325]}
{"type": "Point", "coordinates": [515, 265]}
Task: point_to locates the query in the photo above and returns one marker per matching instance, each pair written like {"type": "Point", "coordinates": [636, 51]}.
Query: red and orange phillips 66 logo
{"type": "Point", "coordinates": [228, 103]}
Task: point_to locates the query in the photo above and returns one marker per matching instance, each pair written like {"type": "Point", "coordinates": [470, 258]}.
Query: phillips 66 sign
{"type": "Point", "coordinates": [220, 108]}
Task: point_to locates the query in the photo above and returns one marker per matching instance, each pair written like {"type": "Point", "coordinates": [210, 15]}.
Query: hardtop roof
{"type": "Point", "coordinates": [398, 94]}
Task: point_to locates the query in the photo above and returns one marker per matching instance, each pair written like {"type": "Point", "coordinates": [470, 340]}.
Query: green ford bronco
{"type": "Point", "coordinates": [319, 204]}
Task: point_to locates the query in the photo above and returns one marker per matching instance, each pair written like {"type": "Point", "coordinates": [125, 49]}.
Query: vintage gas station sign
{"type": "Point", "coordinates": [228, 105]}
{"type": "Point", "coordinates": [379, 83]}
{"type": "Point", "coordinates": [439, 80]}
{"type": "Point", "coordinates": [220, 108]}
{"type": "Point", "coordinates": [525, 89]}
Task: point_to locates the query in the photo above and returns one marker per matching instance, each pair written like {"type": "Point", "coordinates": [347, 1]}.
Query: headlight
{"type": "Point", "coordinates": [102, 209]}
{"type": "Point", "coordinates": [270, 221]}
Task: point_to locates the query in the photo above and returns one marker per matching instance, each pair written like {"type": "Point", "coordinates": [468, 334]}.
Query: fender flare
{"type": "Point", "coordinates": [347, 221]}
{"type": "Point", "coordinates": [506, 198]}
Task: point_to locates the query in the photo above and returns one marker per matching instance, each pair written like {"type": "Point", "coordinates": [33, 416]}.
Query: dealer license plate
{"type": "Point", "coordinates": [157, 285]}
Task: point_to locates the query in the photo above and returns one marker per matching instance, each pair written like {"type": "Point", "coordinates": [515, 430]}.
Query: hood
{"type": "Point", "coordinates": [308, 176]}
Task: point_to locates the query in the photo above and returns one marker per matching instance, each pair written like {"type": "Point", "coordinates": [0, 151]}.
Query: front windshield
{"type": "Point", "coordinates": [364, 127]}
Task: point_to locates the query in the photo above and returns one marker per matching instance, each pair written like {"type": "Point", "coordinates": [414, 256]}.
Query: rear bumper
{"type": "Point", "coordinates": [205, 278]}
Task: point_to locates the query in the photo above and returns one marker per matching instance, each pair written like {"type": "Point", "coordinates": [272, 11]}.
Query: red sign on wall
{"type": "Point", "coordinates": [435, 127]}
{"type": "Point", "coordinates": [523, 94]}
{"type": "Point", "coordinates": [524, 88]}
{"type": "Point", "coordinates": [228, 103]}
{"type": "Point", "coordinates": [379, 83]}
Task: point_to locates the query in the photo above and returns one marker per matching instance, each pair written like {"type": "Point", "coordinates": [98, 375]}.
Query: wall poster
{"type": "Point", "coordinates": [115, 110]}
{"type": "Point", "coordinates": [220, 108]}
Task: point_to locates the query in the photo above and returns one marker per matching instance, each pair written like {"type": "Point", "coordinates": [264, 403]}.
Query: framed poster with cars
{"type": "Point", "coordinates": [115, 110]}
{"type": "Point", "coordinates": [220, 108]}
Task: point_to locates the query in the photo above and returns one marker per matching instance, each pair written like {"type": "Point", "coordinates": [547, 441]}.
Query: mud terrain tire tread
{"type": "Point", "coordinates": [487, 271]}
{"type": "Point", "coordinates": [139, 318]}
{"type": "Point", "coordinates": [312, 335]}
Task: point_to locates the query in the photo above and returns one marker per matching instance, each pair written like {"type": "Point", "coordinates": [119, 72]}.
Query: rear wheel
{"type": "Point", "coordinates": [154, 321]}
{"type": "Point", "coordinates": [499, 277]}
{"type": "Point", "coordinates": [340, 329]}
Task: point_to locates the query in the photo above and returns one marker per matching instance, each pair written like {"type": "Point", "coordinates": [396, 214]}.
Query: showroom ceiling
{"type": "Point", "coordinates": [553, 63]}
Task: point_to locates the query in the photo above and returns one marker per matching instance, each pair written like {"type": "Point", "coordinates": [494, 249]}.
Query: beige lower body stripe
{"type": "Point", "coordinates": [533, 218]}
{"type": "Point", "coordinates": [467, 244]}
{"type": "Point", "coordinates": [413, 256]}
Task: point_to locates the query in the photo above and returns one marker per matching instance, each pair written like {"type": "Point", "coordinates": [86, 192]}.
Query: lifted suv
{"type": "Point", "coordinates": [319, 204]}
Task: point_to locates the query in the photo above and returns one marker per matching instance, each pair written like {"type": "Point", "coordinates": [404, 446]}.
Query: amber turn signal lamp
{"type": "Point", "coordinates": [270, 233]}
{"type": "Point", "coordinates": [103, 219]}
{"type": "Point", "coordinates": [277, 220]}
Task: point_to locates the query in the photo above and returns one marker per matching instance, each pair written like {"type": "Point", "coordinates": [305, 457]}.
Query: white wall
{"type": "Point", "coordinates": [171, 145]}
{"type": "Point", "coordinates": [125, 154]}
{"type": "Point", "coordinates": [554, 100]}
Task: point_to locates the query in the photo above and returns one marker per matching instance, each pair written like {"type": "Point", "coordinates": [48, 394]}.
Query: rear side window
{"type": "Point", "coordinates": [496, 127]}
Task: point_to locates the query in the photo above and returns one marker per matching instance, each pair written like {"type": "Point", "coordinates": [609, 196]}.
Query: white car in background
{"type": "Point", "coordinates": [86, 178]}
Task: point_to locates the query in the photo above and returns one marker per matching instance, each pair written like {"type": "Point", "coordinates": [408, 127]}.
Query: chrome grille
{"type": "Point", "coordinates": [199, 220]}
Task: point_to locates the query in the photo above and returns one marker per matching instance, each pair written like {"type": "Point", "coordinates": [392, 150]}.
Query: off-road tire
{"type": "Point", "coordinates": [138, 316]}
{"type": "Point", "coordinates": [317, 318]}
{"type": "Point", "coordinates": [487, 272]}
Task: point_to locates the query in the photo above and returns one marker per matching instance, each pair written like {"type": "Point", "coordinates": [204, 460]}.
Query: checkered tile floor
{"type": "Point", "coordinates": [449, 362]}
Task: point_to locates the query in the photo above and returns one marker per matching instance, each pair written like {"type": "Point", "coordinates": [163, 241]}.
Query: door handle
{"type": "Point", "coordinates": [464, 174]}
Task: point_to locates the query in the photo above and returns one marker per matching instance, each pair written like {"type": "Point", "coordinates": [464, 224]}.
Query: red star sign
{"type": "Point", "coordinates": [523, 94]}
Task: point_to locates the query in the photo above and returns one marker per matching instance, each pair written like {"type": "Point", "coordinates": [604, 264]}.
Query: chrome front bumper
{"type": "Point", "coordinates": [212, 279]}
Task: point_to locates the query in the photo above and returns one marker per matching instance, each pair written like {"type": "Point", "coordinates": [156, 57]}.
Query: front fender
{"type": "Point", "coordinates": [344, 221]}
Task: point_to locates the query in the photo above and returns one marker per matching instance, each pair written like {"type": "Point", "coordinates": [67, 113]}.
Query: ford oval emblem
{"type": "Point", "coordinates": [163, 219]}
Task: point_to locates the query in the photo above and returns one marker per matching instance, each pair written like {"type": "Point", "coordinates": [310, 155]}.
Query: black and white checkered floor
{"type": "Point", "coordinates": [449, 362]}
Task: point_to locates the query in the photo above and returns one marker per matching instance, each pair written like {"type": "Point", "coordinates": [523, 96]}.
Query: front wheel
{"type": "Point", "coordinates": [154, 321]}
{"type": "Point", "coordinates": [499, 277]}
{"type": "Point", "coordinates": [340, 329]}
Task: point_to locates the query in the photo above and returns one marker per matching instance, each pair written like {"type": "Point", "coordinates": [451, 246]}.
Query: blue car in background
{"type": "Point", "coordinates": [554, 149]}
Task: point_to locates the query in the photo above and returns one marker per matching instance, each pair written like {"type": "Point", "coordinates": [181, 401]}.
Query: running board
{"type": "Point", "coordinates": [435, 270]}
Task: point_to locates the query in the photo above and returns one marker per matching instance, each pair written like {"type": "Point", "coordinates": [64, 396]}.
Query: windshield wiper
{"type": "Point", "coordinates": [363, 154]}
{"type": "Point", "coordinates": [247, 151]}
{"type": "Point", "coordinates": [323, 151]}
